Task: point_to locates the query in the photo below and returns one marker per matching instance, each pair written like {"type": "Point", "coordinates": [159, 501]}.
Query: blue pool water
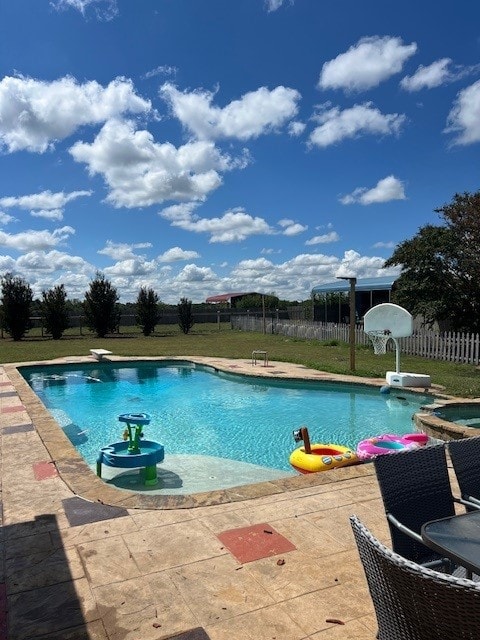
{"type": "Point", "coordinates": [197, 410]}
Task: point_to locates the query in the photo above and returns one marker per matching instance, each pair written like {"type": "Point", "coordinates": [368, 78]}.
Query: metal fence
{"type": "Point", "coordinates": [78, 326]}
{"type": "Point", "coordinates": [461, 348]}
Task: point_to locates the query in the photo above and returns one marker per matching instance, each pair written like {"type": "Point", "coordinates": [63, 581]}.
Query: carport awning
{"type": "Point", "coordinates": [384, 283]}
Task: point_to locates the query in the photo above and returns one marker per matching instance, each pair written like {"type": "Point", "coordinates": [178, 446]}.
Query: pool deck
{"type": "Point", "coordinates": [83, 559]}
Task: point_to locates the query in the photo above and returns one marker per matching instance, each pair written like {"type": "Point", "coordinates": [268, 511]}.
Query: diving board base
{"type": "Point", "coordinates": [99, 354]}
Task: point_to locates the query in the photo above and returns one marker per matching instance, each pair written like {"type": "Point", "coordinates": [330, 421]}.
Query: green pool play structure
{"type": "Point", "coordinates": [133, 452]}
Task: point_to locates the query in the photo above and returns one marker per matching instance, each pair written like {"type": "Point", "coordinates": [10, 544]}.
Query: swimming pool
{"type": "Point", "coordinates": [196, 409]}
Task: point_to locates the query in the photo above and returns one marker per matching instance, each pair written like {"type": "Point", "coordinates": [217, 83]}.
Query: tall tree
{"type": "Point", "coordinates": [17, 298]}
{"type": "Point", "coordinates": [185, 315]}
{"type": "Point", "coordinates": [100, 306]}
{"type": "Point", "coordinates": [54, 311]}
{"type": "Point", "coordinates": [440, 277]}
{"type": "Point", "coordinates": [148, 313]}
{"type": "Point", "coordinates": [256, 301]}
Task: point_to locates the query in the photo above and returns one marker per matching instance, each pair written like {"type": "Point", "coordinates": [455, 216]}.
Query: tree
{"type": "Point", "coordinates": [256, 301]}
{"type": "Point", "coordinates": [185, 315]}
{"type": "Point", "coordinates": [148, 313]}
{"type": "Point", "coordinates": [100, 306]}
{"type": "Point", "coordinates": [17, 298]}
{"type": "Point", "coordinates": [440, 277]}
{"type": "Point", "coordinates": [54, 311]}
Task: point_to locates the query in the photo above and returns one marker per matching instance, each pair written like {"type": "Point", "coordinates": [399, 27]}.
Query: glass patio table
{"type": "Point", "coordinates": [457, 538]}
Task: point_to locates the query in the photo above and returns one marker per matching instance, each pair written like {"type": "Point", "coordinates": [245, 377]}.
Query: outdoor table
{"type": "Point", "coordinates": [457, 538]}
{"type": "Point", "coordinates": [256, 354]}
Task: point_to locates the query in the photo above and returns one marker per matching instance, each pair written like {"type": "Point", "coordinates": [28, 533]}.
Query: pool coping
{"type": "Point", "coordinates": [82, 481]}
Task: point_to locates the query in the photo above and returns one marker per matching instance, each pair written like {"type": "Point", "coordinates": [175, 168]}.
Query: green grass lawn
{"type": "Point", "coordinates": [210, 340]}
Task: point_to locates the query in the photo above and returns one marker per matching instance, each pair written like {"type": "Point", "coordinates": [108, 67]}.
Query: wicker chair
{"type": "Point", "coordinates": [415, 488]}
{"type": "Point", "coordinates": [412, 602]}
{"type": "Point", "coordinates": [465, 456]}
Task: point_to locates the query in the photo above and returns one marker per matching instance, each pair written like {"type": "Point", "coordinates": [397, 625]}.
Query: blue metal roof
{"type": "Point", "coordinates": [363, 284]}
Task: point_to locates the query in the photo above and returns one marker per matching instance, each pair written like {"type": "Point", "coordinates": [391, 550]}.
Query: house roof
{"type": "Point", "coordinates": [383, 283]}
{"type": "Point", "coordinates": [227, 297]}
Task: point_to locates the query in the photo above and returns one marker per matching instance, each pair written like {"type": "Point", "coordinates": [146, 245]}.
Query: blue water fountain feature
{"type": "Point", "coordinates": [133, 452]}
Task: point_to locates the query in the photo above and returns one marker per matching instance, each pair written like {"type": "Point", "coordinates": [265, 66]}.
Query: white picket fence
{"type": "Point", "coordinates": [452, 347]}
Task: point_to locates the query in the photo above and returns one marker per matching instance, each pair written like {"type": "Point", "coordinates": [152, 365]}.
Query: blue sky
{"type": "Point", "coordinates": [209, 146]}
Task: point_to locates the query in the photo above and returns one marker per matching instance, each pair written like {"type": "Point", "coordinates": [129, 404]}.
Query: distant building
{"type": "Point", "coordinates": [368, 293]}
{"type": "Point", "coordinates": [231, 298]}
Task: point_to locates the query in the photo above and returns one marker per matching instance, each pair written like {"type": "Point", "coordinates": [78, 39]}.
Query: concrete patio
{"type": "Point", "coordinates": [83, 559]}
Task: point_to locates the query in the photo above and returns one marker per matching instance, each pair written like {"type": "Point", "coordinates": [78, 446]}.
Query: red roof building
{"type": "Point", "coordinates": [231, 298]}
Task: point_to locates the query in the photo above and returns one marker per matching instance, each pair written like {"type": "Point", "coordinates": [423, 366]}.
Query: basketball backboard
{"type": "Point", "coordinates": [396, 321]}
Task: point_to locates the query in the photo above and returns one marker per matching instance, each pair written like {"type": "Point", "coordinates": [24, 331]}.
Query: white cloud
{"type": "Point", "coordinates": [122, 251]}
{"type": "Point", "coordinates": [292, 228]}
{"type": "Point", "coordinates": [387, 189]}
{"type": "Point", "coordinates": [273, 5]}
{"type": "Point", "coordinates": [51, 261]}
{"type": "Point", "coordinates": [191, 273]}
{"type": "Point", "coordinates": [35, 114]}
{"type": "Point", "coordinates": [162, 70]}
{"type": "Point", "coordinates": [7, 263]}
{"type": "Point", "coordinates": [464, 117]}
{"type": "Point", "coordinates": [35, 240]}
{"type": "Point", "coordinates": [137, 266]}
{"type": "Point", "coordinates": [438, 73]}
{"type": "Point", "coordinates": [5, 218]}
{"type": "Point", "coordinates": [361, 119]}
{"type": "Point", "coordinates": [428, 77]}
{"type": "Point", "coordinates": [141, 172]}
{"type": "Point", "coordinates": [354, 265]}
{"type": "Point", "coordinates": [254, 114]}
{"type": "Point", "coordinates": [179, 212]}
{"type": "Point", "coordinates": [48, 214]}
{"type": "Point", "coordinates": [234, 226]}
{"type": "Point", "coordinates": [366, 64]}
{"type": "Point", "coordinates": [296, 128]}
{"type": "Point", "coordinates": [45, 204]}
{"type": "Point", "coordinates": [384, 245]}
{"type": "Point", "coordinates": [46, 269]}
{"type": "Point", "coordinates": [304, 270]}
{"type": "Point", "coordinates": [176, 254]}
{"type": "Point", "coordinates": [326, 238]}
{"type": "Point", "coordinates": [45, 200]}
{"type": "Point", "coordinates": [291, 279]}
{"type": "Point", "coordinates": [103, 9]}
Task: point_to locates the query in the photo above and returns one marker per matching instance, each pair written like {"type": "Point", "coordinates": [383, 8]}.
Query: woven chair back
{"type": "Point", "coordinates": [412, 602]}
{"type": "Point", "coordinates": [465, 457]}
{"type": "Point", "coordinates": [415, 488]}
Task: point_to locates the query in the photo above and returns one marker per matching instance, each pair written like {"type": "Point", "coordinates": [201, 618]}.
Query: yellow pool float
{"type": "Point", "coordinates": [312, 458]}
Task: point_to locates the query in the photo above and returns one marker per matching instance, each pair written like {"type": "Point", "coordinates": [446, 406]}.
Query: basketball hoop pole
{"type": "Point", "coordinates": [397, 356]}
{"type": "Point", "coordinates": [353, 282]}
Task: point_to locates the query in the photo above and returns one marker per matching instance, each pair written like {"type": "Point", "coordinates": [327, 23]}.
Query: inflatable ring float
{"type": "Point", "coordinates": [321, 458]}
{"type": "Point", "coordinates": [389, 443]}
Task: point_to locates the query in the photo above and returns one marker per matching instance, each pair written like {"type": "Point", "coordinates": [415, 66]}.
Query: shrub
{"type": "Point", "coordinates": [148, 313]}
{"type": "Point", "coordinates": [100, 306]}
{"type": "Point", "coordinates": [54, 311]}
{"type": "Point", "coordinates": [185, 315]}
{"type": "Point", "coordinates": [17, 298]}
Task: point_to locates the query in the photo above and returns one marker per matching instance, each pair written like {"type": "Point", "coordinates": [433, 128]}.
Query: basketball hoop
{"type": "Point", "coordinates": [379, 340]}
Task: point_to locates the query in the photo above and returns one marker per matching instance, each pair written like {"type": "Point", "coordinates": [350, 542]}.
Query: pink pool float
{"type": "Point", "coordinates": [389, 443]}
